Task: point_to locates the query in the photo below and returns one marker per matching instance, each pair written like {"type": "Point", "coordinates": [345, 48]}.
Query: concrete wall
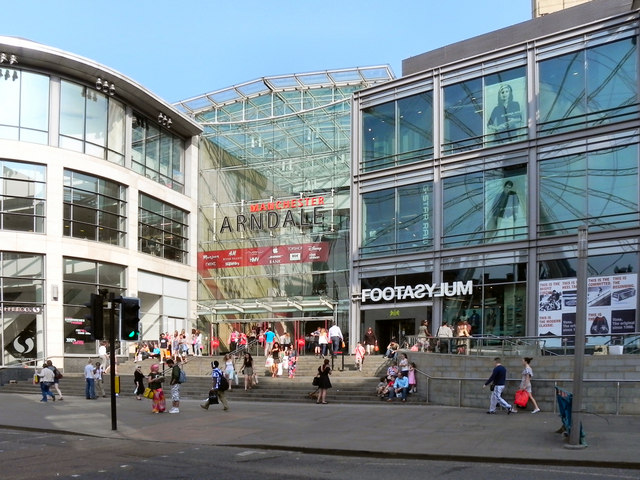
{"type": "Point", "coordinates": [611, 382]}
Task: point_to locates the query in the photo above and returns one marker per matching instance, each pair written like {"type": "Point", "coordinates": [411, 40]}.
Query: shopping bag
{"type": "Point", "coordinates": [522, 397]}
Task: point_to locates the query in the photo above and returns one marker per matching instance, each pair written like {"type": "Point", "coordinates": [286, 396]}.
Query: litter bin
{"type": "Point", "coordinates": [565, 401]}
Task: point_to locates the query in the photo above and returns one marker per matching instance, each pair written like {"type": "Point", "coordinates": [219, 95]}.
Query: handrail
{"type": "Point", "coordinates": [24, 364]}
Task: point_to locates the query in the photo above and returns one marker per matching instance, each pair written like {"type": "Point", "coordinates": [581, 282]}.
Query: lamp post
{"type": "Point", "coordinates": [580, 332]}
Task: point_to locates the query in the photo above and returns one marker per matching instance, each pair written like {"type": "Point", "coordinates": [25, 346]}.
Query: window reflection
{"type": "Point", "coordinates": [399, 132]}
{"type": "Point", "coordinates": [91, 122]}
{"type": "Point", "coordinates": [588, 88]}
{"type": "Point", "coordinates": [600, 187]}
{"type": "Point", "coordinates": [24, 97]}
{"type": "Point", "coordinates": [22, 196]}
{"type": "Point", "coordinates": [398, 219]}
{"type": "Point", "coordinates": [485, 111]}
{"type": "Point", "coordinates": [157, 154]}
{"type": "Point", "coordinates": [94, 208]}
{"type": "Point", "coordinates": [485, 207]}
{"type": "Point", "coordinates": [163, 229]}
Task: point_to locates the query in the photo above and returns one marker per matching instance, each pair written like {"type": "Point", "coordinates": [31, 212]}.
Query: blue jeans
{"type": "Point", "coordinates": [44, 389]}
{"type": "Point", "coordinates": [90, 388]}
{"type": "Point", "coordinates": [402, 394]}
{"type": "Point", "coordinates": [335, 345]}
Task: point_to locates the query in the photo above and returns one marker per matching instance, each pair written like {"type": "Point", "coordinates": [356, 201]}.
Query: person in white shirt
{"type": "Point", "coordinates": [46, 380]}
{"type": "Point", "coordinates": [97, 376]}
{"type": "Point", "coordinates": [335, 335]}
{"type": "Point", "coordinates": [445, 333]}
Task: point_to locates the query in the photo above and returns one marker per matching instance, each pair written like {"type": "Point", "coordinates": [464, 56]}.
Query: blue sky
{"type": "Point", "coordinates": [181, 49]}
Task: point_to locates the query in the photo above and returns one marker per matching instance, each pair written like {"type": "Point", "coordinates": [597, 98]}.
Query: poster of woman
{"type": "Point", "coordinates": [505, 111]}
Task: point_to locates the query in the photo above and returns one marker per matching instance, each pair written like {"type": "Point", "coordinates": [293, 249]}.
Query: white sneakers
{"type": "Point", "coordinates": [174, 410]}
{"type": "Point", "coordinates": [536, 410]}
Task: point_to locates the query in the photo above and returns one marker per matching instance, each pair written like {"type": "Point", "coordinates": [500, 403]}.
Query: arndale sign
{"type": "Point", "coordinates": [417, 292]}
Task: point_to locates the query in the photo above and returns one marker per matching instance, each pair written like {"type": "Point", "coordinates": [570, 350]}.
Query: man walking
{"type": "Point", "coordinates": [216, 376]}
{"type": "Point", "coordinates": [335, 334]}
{"type": "Point", "coordinates": [175, 386]}
{"type": "Point", "coordinates": [498, 379]}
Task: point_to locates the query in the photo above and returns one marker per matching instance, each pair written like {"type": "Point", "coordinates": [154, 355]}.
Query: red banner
{"type": "Point", "coordinates": [261, 256]}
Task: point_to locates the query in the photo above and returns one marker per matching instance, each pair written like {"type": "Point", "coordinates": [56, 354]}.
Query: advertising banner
{"type": "Point", "coordinates": [261, 256]}
{"type": "Point", "coordinates": [611, 306]}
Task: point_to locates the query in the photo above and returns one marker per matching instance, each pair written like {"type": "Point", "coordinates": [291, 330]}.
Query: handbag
{"type": "Point", "coordinates": [492, 386]}
{"type": "Point", "coordinates": [148, 393]}
{"type": "Point", "coordinates": [316, 381]}
{"type": "Point", "coordinates": [522, 397]}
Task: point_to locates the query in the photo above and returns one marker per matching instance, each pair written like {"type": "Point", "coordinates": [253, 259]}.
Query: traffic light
{"type": "Point", "coordinates": [129, 318]}
{"type": "Point", "coordinates": [94, 320]}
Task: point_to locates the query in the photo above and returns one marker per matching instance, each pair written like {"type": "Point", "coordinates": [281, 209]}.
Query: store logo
{"type": "Point", "coordinates": [417, 292]}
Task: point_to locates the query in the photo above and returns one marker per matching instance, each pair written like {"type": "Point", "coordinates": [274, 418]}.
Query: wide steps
{"type": "Point", "coordinates": [349, 385]}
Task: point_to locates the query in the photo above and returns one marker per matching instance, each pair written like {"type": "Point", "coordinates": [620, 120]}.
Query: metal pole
{"type": "Point", "coordinates": [580, 332]}
{"type": "Point", "coordinates": [112, 362]}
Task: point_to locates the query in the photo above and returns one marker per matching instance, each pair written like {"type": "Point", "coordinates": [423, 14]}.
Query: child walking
{"type": "Point", "coordinates": [360, 351]}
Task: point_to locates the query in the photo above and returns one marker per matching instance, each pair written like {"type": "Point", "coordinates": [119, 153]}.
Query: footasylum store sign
{"type": "Point", "coordinates": [416, 292]}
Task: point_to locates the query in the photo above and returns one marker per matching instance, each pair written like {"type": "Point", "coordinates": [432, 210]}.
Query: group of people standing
{"type": "Point", "coordinates": [177, 346]}
{"type": "Point", "coordinates": [328, 341]}
{"type": "Point", "coordinates": [155, 378]}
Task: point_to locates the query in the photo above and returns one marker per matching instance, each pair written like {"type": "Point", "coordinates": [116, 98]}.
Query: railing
{"type": "Point", "coordinates": [628, 343]}
{"type": "Point", "coordinates": [33, 363]}
{"type": "Point", "coordinates": [610, 396]}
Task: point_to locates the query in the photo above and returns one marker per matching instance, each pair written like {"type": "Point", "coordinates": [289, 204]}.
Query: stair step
{"type": "Point", "coordinates": [349, 385]}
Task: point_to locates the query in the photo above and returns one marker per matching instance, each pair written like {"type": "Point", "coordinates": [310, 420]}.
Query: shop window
{"type": "Point", "coordinates": [497, 306]}
{"type": "Point", "coordinates": [22, 304]}
{"type": "Point", "coordinates": [81, 278]}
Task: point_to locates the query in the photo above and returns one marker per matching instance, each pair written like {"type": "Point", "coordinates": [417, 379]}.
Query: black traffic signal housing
{"type": "Point", "coordinates": [94, 320]}
{"type": "Point", "coordinates": [129, 318]}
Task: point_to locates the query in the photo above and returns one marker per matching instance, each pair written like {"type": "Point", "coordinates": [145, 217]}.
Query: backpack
{"type": "Point", "coordinates": [223, 386]}
{"type": "Point", "coordinates": [182, 378]}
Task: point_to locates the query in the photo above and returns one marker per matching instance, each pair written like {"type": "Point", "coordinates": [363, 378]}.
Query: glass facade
{"type": "Point", "coordinates": [589, 87]}
{"type": "Point", "coordinates": [91, 122]}
{"type": "Point", "coordinates": [22, 196]}
{"type": "Point", "coordinates": [485, 111]}
{"type": "Point", "coordinates": [94, 208]}
{"type": "Point", "coordinates": [24, 97]}
{"type": "Point", "coordinates": [519, 150]}
{"type": "Point", "coordinates": [398, 132]}
{"type": "Point", "coordinates": [22, 306]}
{"type": "Point", "coordinates": [157, 153]}
{"type": "Point", "coordinates": [399, 218]}
{"type": "Point", "coordinates": [275, 201]}
{"type": "Point", "coordinates": [81, 279]}
{"type": "Point", "coordinates": [485, 206]}
{"type": "Point", "coordinates": [163, 230]}
{"type": "Point", "coordinates": [78, 141]}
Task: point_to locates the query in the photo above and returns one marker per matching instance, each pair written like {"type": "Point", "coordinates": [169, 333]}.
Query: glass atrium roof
{"type": "Point", "coordinates": [360, 77]}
